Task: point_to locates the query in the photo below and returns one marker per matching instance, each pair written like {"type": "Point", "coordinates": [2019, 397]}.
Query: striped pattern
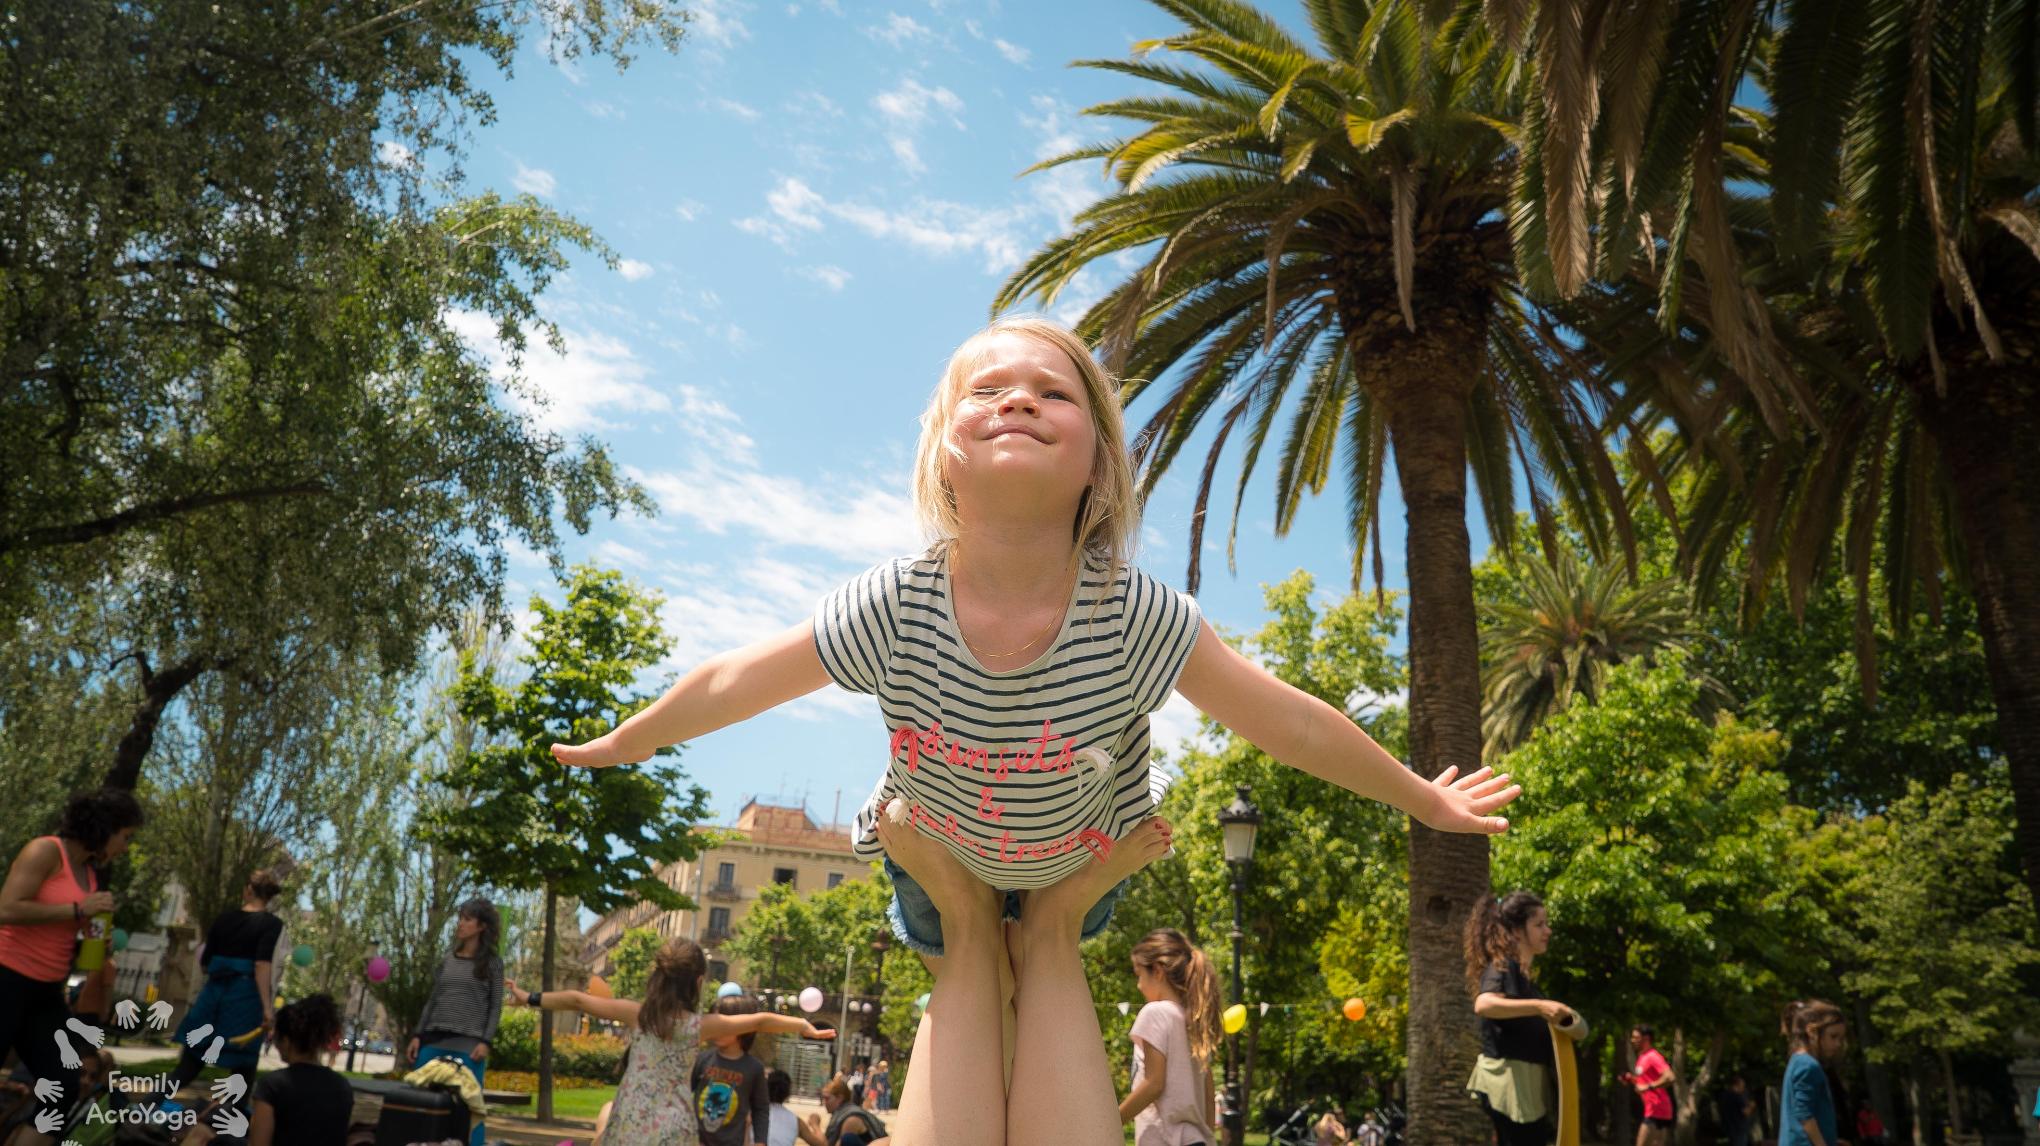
{"type": "Point", "coordinates": [461, 1004]}
{"type": "Point", "coordinates": [1024, 773]}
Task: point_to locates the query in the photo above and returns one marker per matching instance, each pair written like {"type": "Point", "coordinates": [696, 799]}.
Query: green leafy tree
{"type": "Point", "coordinates": [632, 960]}
{"type": "Point", "coordinates": [1323, 228]}
{"type": "Point", "coordinates": [1340, 653]}
{"type": "Point", "coordinates": [1573, 622]}
{"type": "Point", "coordinates": [527, 822]}
{"type": "Point", "coordinates": [1943, 936]}
{"type": "Point", "coordinates": [230, 329]}
{"type": "Point", "coordinates": [1662, 847]}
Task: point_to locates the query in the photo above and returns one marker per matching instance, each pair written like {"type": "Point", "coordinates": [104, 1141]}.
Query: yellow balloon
{"type": "Point", "coordinates": [599, 988]}
{"type": "Point", "coordinates": [1355, 1009]}
{"type": "Point", "coordinates": [1234, 1018]}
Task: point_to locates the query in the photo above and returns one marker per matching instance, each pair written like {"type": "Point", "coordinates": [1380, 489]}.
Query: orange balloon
{"type": "Point", "coordinates": [1355, 1009]}
{"type": "Point", "coordinates": [599, 988]}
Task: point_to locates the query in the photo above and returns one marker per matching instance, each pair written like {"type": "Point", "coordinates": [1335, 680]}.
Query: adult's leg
{"type": "Point", "coordinates": [956, 1088]}
{"type": "Point", "coordinates": [32, 1014]}
{"type": "Point", "coordinates": [1059, 1061]}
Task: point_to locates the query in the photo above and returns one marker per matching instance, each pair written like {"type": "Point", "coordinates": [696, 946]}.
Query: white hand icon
{"type": "Point", "coordinates": [230, 1122]}
{"type": "Point", "coordinates": [229, 1089]}
{"type": "Point", "coordinates": [198, 1036]}
{"type": "Point", "coordinates": [65, 1054]}
{"type": "Point", "coordinates": [127, 1014]}
{"type": "Point", "coordinates": [47, 1121]}
{"type": "Point", "coordinates": [212, 1053]}
{"type": "Point", "coordinates": [159, 1014]}
{"type": "Point", "coordinates": [48, 1090]}
{"type": "Point", "coordinates": [87, 1031]}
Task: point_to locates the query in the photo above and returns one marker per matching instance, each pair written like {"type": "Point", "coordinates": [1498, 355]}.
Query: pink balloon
{"type": "Point", "coordinates": [378, 969]}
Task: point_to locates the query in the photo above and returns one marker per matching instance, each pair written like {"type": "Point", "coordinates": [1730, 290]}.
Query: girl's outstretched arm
{"type": "Point", "coordinates": [714, 1026]}
{"type": "Point", "coordinates": [615, 1010]}
{"type": "Point", "coordinates": [1309, 735]}
{"type": "Point", "coordinates": [720, 691]}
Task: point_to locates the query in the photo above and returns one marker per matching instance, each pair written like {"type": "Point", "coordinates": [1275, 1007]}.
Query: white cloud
{"type": "Point", "coordinates": [903, 149]}
{"type": "Point", "coordinates": [931, 225]}
{"type": "Point", "coordinates": [720, 22]}
{"type": "Point", "coordinates": [394, 154]}
{"type": "Point", "coordinates": [833, 277]}
{"type": "Point", "coordinates": [1174, 723]}
{"type": "Point", "coordinates": [812, 103]}
{"type": "Point", "coordinates": [602, 109]}
{"type": "Point", "coordinates": [1014, 53]}
{"type": "Point", "coordinates": [689, 209]}
{"type": "Point", "coordinates": [898, 30]}
{"type": "Point", "coordinates": [634, 271]}
{"type": "Point", "coordinates": [534, 181]}
{"type": "Point", "coordinates": [860, 522]}
{"type": "Point", "coordinates": [742, 111]}
{"type": "Point", "coordinates": [910, 104]}
{"type": "Point", "coordinates": [564, 392]}
{"type": "Point", "coordinates": [620, 556]}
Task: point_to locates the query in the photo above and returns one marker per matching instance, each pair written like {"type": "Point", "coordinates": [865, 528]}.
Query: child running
{"type": "Point", "coordinates": [1015, 663]}
{"type": "Point", "coordinates": [654, 1104]}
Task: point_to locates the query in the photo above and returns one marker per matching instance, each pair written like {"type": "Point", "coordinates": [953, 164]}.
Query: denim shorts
{"type": "Point", "coordinates": [916, 923]}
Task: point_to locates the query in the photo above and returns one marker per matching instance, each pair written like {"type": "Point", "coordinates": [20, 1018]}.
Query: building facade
{"type": "Point", "coordinates": [768, 844]}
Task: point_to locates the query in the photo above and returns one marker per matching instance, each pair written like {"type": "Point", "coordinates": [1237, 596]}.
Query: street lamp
{"type": "Point", "coordinates": [1237, 823]}
{"type": "Point", "coordinates": [777, 941]}
{"type": "Point", "coordinates": [881, 943]}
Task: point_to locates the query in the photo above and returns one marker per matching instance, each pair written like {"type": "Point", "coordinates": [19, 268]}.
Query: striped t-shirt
{"type": "Point", "coordinates": [1026, 774]}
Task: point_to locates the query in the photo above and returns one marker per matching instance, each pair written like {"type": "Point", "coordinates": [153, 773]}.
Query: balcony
{"type": "Point", "coordinates": [714, 936]}
{"type": "Point", "coordinates": [721, 890]}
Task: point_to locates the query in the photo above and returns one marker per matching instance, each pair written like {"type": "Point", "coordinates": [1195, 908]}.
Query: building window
{"type": "Point", "coordinates": [726, 873]}
{"type": "Point", "coordinates": [783, 875]}
{"type": "Point", "coordinates": [718, 920]}
{"type": "Point", "coordinates": [835, 877]}
{"type": "Point", "coordinates": [718, 970]}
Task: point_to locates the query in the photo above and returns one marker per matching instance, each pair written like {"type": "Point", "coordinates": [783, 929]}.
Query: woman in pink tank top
{"type": "Point", "coordinates": [50, 894]}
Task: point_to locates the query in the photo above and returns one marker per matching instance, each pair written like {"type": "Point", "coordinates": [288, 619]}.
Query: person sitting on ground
{"type": "Point", "coordinates": [306, 1103]}
{"type": "Point", "coordinates": [848, 1124]}
{"type": "Point", "coordinates": [1330, 1131]}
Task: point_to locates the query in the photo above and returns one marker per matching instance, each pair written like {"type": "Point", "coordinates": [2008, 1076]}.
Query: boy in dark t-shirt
{"type": "Point", "coordinates": [729, 1085]}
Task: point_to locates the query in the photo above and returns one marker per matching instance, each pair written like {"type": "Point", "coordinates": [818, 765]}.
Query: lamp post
{"type": "Point", "coordinates": [772, 977]}
{"type": "Point", "coordinates": [880, 943]}
{"type": "Point", "coordinates": [1237, 824]}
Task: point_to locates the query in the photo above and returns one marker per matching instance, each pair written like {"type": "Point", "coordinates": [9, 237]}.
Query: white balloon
{"type": "Point", "coordinates": [1125, 1007]}
{"type": "Point", "coordinates": [811, 1000]}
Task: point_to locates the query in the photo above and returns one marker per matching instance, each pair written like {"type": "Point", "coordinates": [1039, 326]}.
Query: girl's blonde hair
{"type": "Point", "coordinates": [1108, 516]}
{"type": "Point", "coordinates": [1188, 972]}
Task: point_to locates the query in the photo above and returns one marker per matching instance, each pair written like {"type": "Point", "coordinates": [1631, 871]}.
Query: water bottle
{"type": "Point", "coordinates": [92, 942]}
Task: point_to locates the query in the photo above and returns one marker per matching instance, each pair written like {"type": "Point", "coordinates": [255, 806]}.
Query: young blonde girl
{"type": "Point", "coordinates": [1015, 663]}
{"type": "Point", "coordinates": [1173, 1037]}
{"type": "Point", "coordinates": [654, 1103]}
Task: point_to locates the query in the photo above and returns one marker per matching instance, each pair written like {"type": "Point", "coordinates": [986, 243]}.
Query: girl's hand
{"type": "Point", "coordinates": [1556, 1012]}
{"type": "Point", "coordinates": [809, 1031]}
{"type": "Point", "coordinates": [1463, 804]}
{"type": "Point", "coordinates": [601, 752]}
{"type": "Point", "coordinates": [411, 1051]}
{"type": "Point", "coordinates": [510, 992]}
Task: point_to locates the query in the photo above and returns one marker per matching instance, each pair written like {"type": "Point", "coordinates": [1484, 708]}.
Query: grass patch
{"type": "Point", "coordinates": [582, 1103]}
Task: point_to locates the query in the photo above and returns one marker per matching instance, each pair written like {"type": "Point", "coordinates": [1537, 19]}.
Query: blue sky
{"type": "Point", "coordinates": [814, 203]}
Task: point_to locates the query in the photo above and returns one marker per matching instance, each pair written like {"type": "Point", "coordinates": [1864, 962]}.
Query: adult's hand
{"type": "Point", "coordinates": [411, 1051]}
{"type": "Point", "coordinates": [98, 903]}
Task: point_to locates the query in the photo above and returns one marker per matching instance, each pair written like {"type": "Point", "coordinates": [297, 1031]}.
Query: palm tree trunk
{"type": "Point", "coordinates": [1448, 873]}
{"type": "Point", "coordinates": [544, 1106]}
{"type": "Point", "coordinates": [1985, 426]}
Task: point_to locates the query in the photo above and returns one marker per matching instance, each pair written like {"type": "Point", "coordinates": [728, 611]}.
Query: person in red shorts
{"type": "Point", "coordinates": [1652, 1080]}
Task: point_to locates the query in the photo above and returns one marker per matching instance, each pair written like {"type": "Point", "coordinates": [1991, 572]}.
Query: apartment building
{"type": "Point", "coordinates": [768, 844]}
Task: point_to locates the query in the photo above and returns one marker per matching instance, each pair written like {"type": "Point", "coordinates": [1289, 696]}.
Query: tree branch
{"type": "Point", "coordinates": [150, 514]}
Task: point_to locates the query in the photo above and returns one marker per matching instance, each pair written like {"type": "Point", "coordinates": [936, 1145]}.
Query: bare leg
{"type": "Point", "coordinates": [602, 1122]}
{"type": "Point", "coordinates": [956, 1089]}
{"type": "Point", "coordinates": [1059, 1062]}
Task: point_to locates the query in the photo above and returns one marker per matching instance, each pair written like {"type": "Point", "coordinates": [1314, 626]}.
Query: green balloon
{"type": "Point", "coordinates": [303, 955]}
{"type": "Point", "coordinates": [120, 939]}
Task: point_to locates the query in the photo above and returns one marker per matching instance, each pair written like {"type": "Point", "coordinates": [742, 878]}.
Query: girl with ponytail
{"type": "Point", "coordinates": [1173, 1039]}
{"type": "Point", "coordinates": [1513, 1076]}
{"type": "Point", "coordinates": [1819, 1035]}
{"type": "Point", "coordinates": [654, 1104]}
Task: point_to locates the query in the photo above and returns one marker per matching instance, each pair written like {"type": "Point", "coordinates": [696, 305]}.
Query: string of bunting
{"type": "Point", "coordinates": [1235, 1016]}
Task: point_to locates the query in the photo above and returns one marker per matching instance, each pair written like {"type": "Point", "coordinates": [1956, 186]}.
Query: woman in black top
{"type": "Point", "coordinates": [1513, 1076]}
{"type": "Point", "coordinates": [237, 1005]}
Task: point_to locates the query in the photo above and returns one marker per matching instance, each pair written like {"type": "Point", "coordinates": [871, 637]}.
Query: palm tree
{"type": "Point", "coordinates": [1332, 225]}
{"type": "Point", "coordinates": [1907, 156]}
{"type": "Point", "coordinates": [1557, 643]}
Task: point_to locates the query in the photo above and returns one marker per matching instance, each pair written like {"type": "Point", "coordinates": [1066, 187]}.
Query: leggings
{"type": "Point", "coordinates": [32, 1016]}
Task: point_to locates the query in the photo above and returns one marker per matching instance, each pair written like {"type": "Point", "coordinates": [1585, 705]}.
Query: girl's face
{"type": "Point", "coordinates": [1537, 932]}
{"type": "Point", "coordinates": [1023, 419]}
{"type": "Point", "coordinates": [1149, 980]}
{"type": "Point", "coordinates": [466, 928]}
{"type": "Point", "coordinates": [1831, 1042]}
{"type": "Point", "coordinates": [116, 845]}
{"type": "Point", "coordinates": [830, 1102]}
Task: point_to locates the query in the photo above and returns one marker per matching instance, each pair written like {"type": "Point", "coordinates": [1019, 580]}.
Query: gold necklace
{"type": "Point", "coordinates": [1054, 623]}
